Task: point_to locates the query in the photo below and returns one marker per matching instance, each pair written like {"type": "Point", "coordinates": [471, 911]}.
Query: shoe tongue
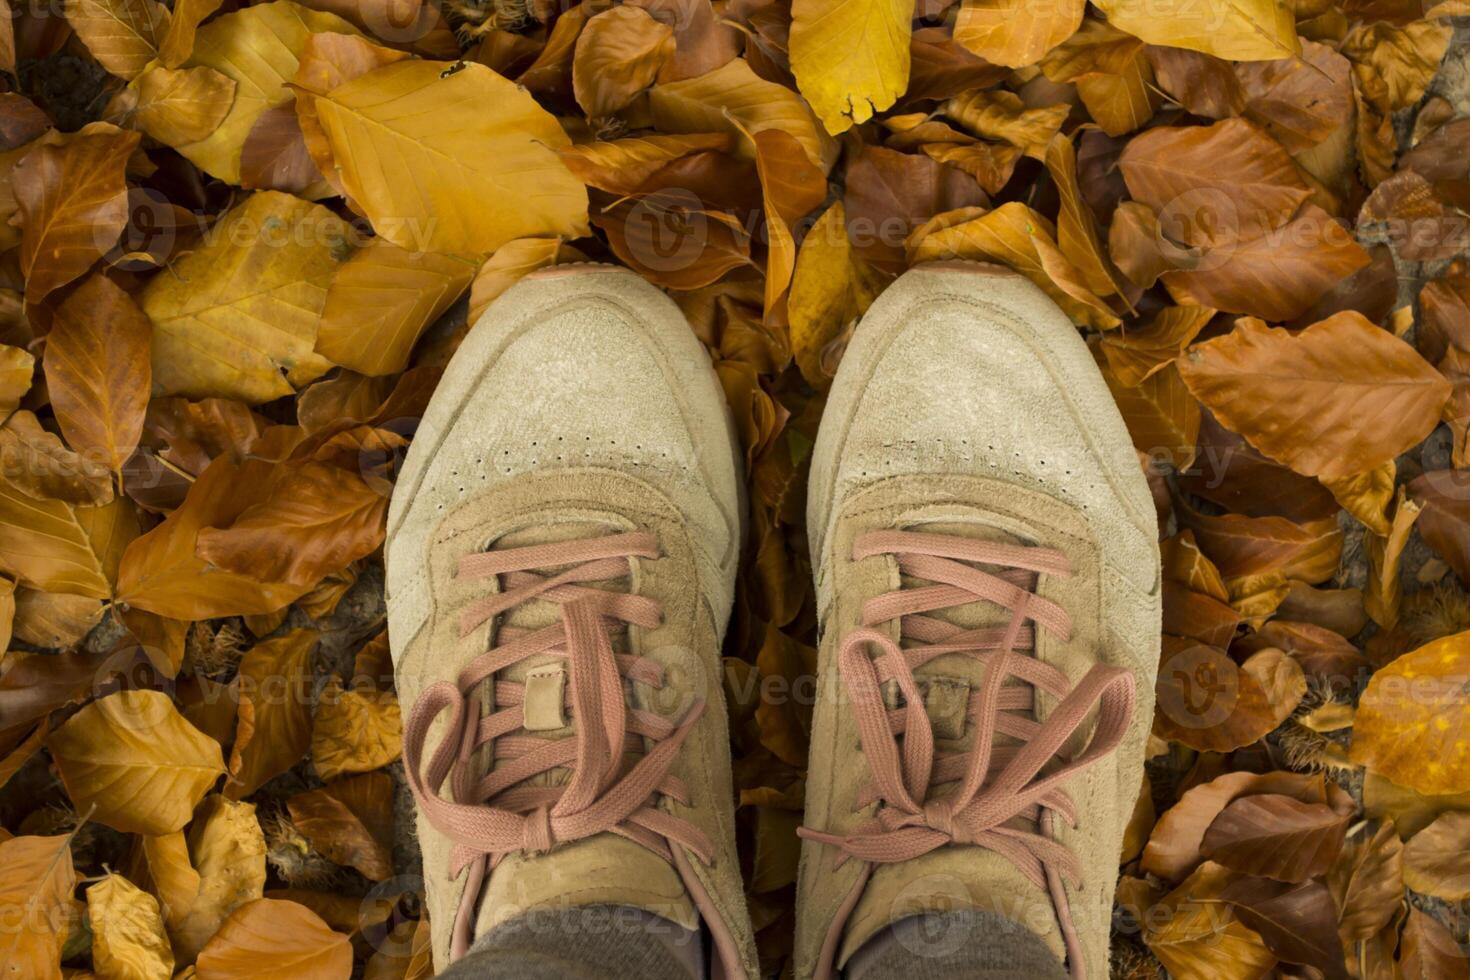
{"type": "Point", "coordinates": [955, 878]}
{"type": "Point", "coordinates": [601, 870]}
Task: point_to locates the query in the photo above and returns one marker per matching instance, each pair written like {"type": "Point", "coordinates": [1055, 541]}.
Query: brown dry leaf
{"type": "Point", "coordinates": [354, 730]}
{"type": "Point", "coordinates": [227, 848]}
{"type": "Point", "coordinates": [1295, 921]}
{"type": "Point", "coordinates": [53, 546]}
{"type": "Point", "coordinates": [1299, 101]}
{"type": "Point", "coordinates": [1318, 400]}
{"type": "Point", "coordinates": [1194, 934]}
{"type": "Point", "coordinates": [671, 239]}
{"type": "Point", "coordinates": [36, 885]}
{"type": "Point", "coordinates": [274, 726]}
{"type": "Point", "coordinates": [182, 105]}
{"type": "Point", "coordinates": [36, 463]}
{"type": "Point", "coordinates": [1430, 951]}
{"type": "Point", "coordinates": [792, 187]}
{"type": "Point", "coordinates": [1444, 517]}
{"type": "Point", "coordinates": [1394, 64]}
{"type": "Point", "coordinates": [55, 620]}
{"type": "Point", "coordinates": [1381, 600]}
{"type": "Point", "coordinates": [1213, 185]}
{"type": "Point", "coordinates": [238, 317]}
{"type": "Point", "coordinates": [99, 371]}
{"type": "Point", "coordinates": [271, 936]}
{"type": "Point", "coordinates": [381, 299]}
{"type": "Point", "coordinates": [622, 166]}
{"type": "Point", "coordinates": [137, 760]}
{"type": "Point", "coordinates": [350, 822]}
{"type": "Point", "coordinates": [617, 56]}
{"type": "Point", "coordinates": [7, 611]}
{"type": "Point", "coordinates": [73, 201]}
{"type": "Point", "coordinates": [178, 42]}
{"type": "Point", "coordinates": [733, 99]}
{"type": "Point", "coordinates": [1138, 246]}
{"type": "Point", "coordinates": [1017, 236]}
{"type": "Point", "coordinates": [1135, 354]}
{"type": "Point", "coordinates": [1077, 233]}
{"type": "Point", "coordinates": [1413, 718]}
{"type": "Point", "coordinates": [174, 880]}
{"type": "Point", "coordinates": [274, 156]}
{"type": "Point", "coordinates": [1205, 85]}
{"type": "Point", "coordinates": [161, 572]}
{"type": "Point", "coordinates": [1240, 30]}
{"type": "Point", "coordinates": [1207, 702]}
{"type": "Point", "coordinates": [1162, 417]}
{"type": "Point", "coordinates": [1437, 858]}
{"type": "Point", "coordinates": [123, 35]}
{"type": "Point", "coordinates": [128, 940]}
{"type": "Point", "coordinates": [850, 57]}
{"type": "Point", "coordinates": [11, 764]}
{"type": "Point", "coordinates": [1277, 837]}
{"type": "Point", "coordinates": [1367, 883]}
{"type": "Point", "coordinates": [1112, 74]}
{"type": "Point", "coordinates": [1175, 848]}
{"type": "Point", "coordinates": [889, 194]}
{"type": "Point", "coordinates": [1016, 33]}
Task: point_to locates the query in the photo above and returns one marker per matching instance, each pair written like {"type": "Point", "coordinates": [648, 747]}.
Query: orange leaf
{"type": "Point", "coordinates": [270, 937]}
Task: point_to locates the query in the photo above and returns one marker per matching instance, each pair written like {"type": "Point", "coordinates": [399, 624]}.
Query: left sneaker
{"type": "Point", "coordinates": [561, 558]}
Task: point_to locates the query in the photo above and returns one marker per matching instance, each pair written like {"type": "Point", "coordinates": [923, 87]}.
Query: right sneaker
{"type": "Point", "coordinates": [561, 558]}
{"type": "Point", "coordinates": [987, 572]}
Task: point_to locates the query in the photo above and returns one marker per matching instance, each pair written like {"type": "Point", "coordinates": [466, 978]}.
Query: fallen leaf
{"type": "Point", "coordinates": [1194, 933]}
{"type": "Point", "coordinates": [1437, 858]}
{"type": "Point", "coordinates": [55, 620]}
{"type": "Point", "coordinates": [354, 730]}
{"type": "Point", "coordinates": [53, 546]}
{"type": "Point", "coordinates": [73, 202]}
{"type": "Point", "coordinates": [1136, 354]}
{"type": "Point", "coordinates": [1163, 419]}
{"type": "Point", "coordinates": [274, 726]}
{"type": "Point", "coordinates": [128, 939]}
{"type": "Point", "coordinates": [274, 156]}
{"type": "Point", "coordinates": [1412, 719]}
{"type": "Point", "coordinates": [1430, 951]}
{"type": "Point", "coordinates": [844, 89]}
{"type": "Point", "coordinates": [1207, 702]}
{"type": "Point", "coordinates": [350, 821]}
{"type": "Point", "coordinates": [1015, 33]}
{"type": "Point", "coordinates": [238, 318]}
{"type": "Point", "coordinates": [36, 463]}
{"type": "Point", "coordinates": [1000, 115]}
{"type": "Point", "coordinates": [123, 35]}
{"type": "Point", "coordinates": [1394, 64]}
{"type": "Point", "coordinates": [178, 106]}
{"type": "Point", "coordinates": [1367, 883]}
{"type": "Point", "coordinates": [1240, 30]}
{"type": "Point", "coordinates": [511, 262]}
{"type": "Point", "coordinates": [1366, 495]}
{"type": "Point", "coordinates": [622, 166]}
{"type": "Point", "coordinates": [1295, 921]}
{"type": "Point", "coordinates": [174, 880]}
{"type": "Point", "coordinates": [470, 180]}
{"type": "Point", "coordinates": [1306, 400]}
{"type": "Point", "coordinates": [98, 371]}
{"type": "Point", "coordinates": [1275, 836]}
{"type": "Point", "coordinates": [829, 290]}
{"type": "Point", "coordinates": [618, 55]}
{"type": "Point", "coordinates": [36, 885]}
{"type": "Point", "coordinates": [792, 187]}
{"type": "Point", "coordinates": [16, 368]}
{"type": "Point", "coordinates": [1299, 101]}
{"type": "Point", "coordinates": [889, 194]}
{"type": "Point", "coordinates": [227, 848]}
{"type": "Point", "coordinates": [135, 758]}
{"type": "Point", "coordinates": [268, 935]}
{"type": "Point", "coordinates": [1382, 599]}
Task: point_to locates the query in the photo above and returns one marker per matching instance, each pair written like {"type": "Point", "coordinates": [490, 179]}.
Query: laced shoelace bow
{"type": "Point", "coordinates": [996, 784]}
{"type": "Point", "coordinates": [496, 810]}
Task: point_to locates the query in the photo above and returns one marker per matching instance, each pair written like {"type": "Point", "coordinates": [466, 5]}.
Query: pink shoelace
{"type": "Point", "coordinates": [996, 784]}
{"type": "Point", "coordinates": [613, 786]}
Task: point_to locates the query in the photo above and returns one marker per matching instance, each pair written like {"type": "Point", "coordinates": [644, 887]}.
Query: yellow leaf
{"type": "Point", "coordinates": [259, 47]}
{"type": "Point", "coordinates": [1195, 934]}
{"type": "Point", "coordinates": [829, 290]}
{"type": "Point", "coordinates": [1366, 495]}
{"type": "Point", "coordinates": [57, 547]}
{"type": "Point", "coordinates": [135, 758]}
{"type": "Point", "coordinates": [355, 731]}
{"type": "Point", "coordinates": [123, 35]}
{"type": "Point", "coordinates": [447, 159]}
{"type": "Point", "coordinates": [618, 55]}
{"type": "Point", "coordinates": [1016, 33]}
{"type": "Point", "coordinates": [511, 262]}
{"type": "Point", "coordinates": [274, 727]}
{"type": "Point", "coordinates": [228, 849]}
{"type": "Point", "coordinates": [178, 42]}
{"type": "Point", "coordinates": [734, 99]}
{"type": "Point", "coordinates": [271, 937]}
{"type": "Point", "coordinates": [1077, 233]}
{"type": "Point", "coordinates": [238, 312]}
{"type": "Point", "coordinates": [1237, 30]}
{"type": "Point", "coordinates": [1134, 354]}
{"type": "Point", "coordinates": [381, 299]}
{"type": "Point", "coordinates": [17, 365]}
{"type": "Point", "coordinates": [177, 106]}
{"type": "Point", "coordinates": [36, 883]}
{"type": "Point", "coordinates": [621, 166]}
{"type": "Point", "coordinates": [850, 57]}
{"type": "Point", "coordinates": [1000, 115]}
{"type": "Point", "coordinates": [128, 941]}
{"type": "Point", "coordinates": [1017, 236]}
{"type": "Point", "coordinates": [1392, 64]}
{"type": "Point", "coordinates": [175, 881]}
{"type": "Point", "coordinates": [1413, 722]}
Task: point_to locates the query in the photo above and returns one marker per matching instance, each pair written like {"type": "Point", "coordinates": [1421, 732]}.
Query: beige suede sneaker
{"type": "Point", "coordinates": [988, 586]}
{"type": "Point", "coordinates": [561, 554]}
